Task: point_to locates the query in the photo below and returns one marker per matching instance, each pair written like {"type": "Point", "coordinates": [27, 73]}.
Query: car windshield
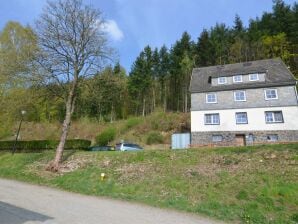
{"type": "Point", "coordinates": [132, 146]}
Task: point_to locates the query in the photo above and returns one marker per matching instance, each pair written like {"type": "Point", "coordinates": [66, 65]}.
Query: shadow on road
{"type": "Point", "coordinates": [10, 214]}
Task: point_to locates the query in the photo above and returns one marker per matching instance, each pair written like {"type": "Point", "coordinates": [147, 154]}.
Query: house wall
{"type": "Point", "coordinates": [199, 139]}
{"type": "Point", "coordinates": [255, 116]}
{"type": "Point", "coordinates": [287, 131]}
{"type": "Point", "coordinates": [254, 98]}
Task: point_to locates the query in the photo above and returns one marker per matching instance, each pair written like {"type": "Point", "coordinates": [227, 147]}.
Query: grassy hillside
{"type": "Point", "coordinates": [239, 185]}
{"type": "Point", "coordinates": [136, 129]}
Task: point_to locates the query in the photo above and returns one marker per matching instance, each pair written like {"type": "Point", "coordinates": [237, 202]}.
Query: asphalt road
{"type": "Point", "coordinates": [22, 203]}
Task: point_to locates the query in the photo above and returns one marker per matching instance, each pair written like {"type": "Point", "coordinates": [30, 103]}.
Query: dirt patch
{"type": "Point", "coordinates": [216, 165]}
{"type": "Point", "coordinates": [235, 164]}
{"type": "Point", "coordinates": [132, 172]}
{"type": "Point", "coordinates": [38, 168]}
{"type": "Point", "coordinates": [73, 163]}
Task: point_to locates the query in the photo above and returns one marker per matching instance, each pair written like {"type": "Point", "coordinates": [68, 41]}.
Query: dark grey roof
{"type": "Point", "coordinates": [277, 74]}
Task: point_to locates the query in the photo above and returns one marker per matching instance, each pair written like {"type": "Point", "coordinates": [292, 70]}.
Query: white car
{"type": "Point", "coordinates": [128, 147]}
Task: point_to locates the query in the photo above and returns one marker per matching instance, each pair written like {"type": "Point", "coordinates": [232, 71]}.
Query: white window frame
{"type": "Point", "coordinates": [219, 78]}
{"type": "Point", "coordinates": [234, 78]}
{"type": "Point", "coordinates": [266, 98]}
{"type": "Point", "coordinates": [235, 98]}
{"type": "Point", "coordinates": [273, 117]}
{"type": "Point", "coordinates": [212, 119]}
{"type": "Point", "coordinates": [211, 94]}
{"type": "Point", "coordinates": [237, 113]}
{"type": "Point", "coordinates": [257, 77]}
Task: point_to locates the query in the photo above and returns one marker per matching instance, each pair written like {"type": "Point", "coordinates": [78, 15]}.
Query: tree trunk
{"type": "Point", "coordinates": [186, 103]}
{"type": "Point", "coordinates": [54, 165]}
{"type": "Point", "coordinates": [112, 113]}
{"type": "Point", "coordinates": [153, 100]}
{"type": "Point", "coordinates": [144, 106]}
{"type": "Point", "coordinates": [165, 99]}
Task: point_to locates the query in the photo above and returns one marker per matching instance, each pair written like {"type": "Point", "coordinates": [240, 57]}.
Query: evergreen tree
{"type": "Point", "coordinates": [220, 40]}
{"type": "Point", "coordinates": [238, 25]}
{"type": "Point", "coordinates": [205, 52]}
{"type": "Point", "coordinates": [184, 46]}
{"type": "Point", "coordinates": [163, 76]}
{"type": "Point", "coordinates": [140, 80]}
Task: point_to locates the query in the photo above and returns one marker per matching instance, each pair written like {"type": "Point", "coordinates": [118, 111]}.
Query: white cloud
{"type": "Point", "coordinates": [112, 28]}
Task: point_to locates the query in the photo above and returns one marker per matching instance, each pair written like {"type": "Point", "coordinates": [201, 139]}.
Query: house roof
{"type": "Point", "coordinates": [277, 74]}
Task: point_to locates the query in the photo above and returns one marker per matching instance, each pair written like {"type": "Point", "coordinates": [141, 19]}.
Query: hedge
{"type": "Point", "coordinates": [39, 145]}
{"type": "Point", "coordinates": [106, 136]}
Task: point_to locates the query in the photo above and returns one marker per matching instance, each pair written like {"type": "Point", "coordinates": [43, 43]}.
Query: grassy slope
{"type": "Point", "coordinates": [250, 184]}
{"type": "Point", "coordinates": [134, 129]}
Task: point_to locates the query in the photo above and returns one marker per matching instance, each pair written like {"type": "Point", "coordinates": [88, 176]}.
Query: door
{"type": "Point", "coordinates": [180, 141]}
{"type": "Point", "coordinates": [240, 140]}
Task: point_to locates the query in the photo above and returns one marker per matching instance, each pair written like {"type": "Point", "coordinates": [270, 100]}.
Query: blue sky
{"type": "Point", "coordinates": [133, 24]}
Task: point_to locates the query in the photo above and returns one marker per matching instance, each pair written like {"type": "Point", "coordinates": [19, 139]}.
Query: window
{"type": "Point", "coordinates": [250, 137]}
{"type": "Point", "coordinates": [254, 77]}
{"type": "Point", "coordinates": [271, 94]}
{"type": "Point", "coordinates": [211, 118]}
{"type": "Point", "coordinates": [211, 98]}
{"type": "Point", "coordinates": [272, 138]}
{"type": "Point", "coordinates": [274, 117]}
{"type": "Point", "coordinates": [217, 138]}
{"type": "Point", "coordinates": [241, 118]}
{"type": "Point", "coordinates": [222, 80]}
{"type": "Point", "coordinates": [239, 96]}
{"type": "Point", "coordinates": [237, 78]}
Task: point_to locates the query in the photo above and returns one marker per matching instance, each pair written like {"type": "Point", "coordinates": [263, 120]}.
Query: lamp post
{"type": "Point", "coordinates": [23, 112]}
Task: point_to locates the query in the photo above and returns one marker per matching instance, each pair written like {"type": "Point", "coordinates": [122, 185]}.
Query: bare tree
{"type": "Point", "coordinates": [72, 46]}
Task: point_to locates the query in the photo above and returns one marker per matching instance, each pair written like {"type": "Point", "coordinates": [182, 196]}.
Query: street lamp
{"type": "Point", "coordinates": [23, 112]}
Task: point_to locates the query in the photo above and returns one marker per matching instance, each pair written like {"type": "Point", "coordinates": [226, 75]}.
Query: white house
{"type": "Point", "coordinates": [244, 103]}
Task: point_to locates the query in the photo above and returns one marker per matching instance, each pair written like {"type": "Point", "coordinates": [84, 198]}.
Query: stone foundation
{"type": "Point", "coordinates": [250, 137]}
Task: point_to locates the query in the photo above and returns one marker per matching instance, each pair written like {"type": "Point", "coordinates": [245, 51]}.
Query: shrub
{"type": "Point", "coordinates": [154, 138]}
{"type": "Point", "coordinates": [39, 145]}
{"type": "Point", "coordinates": [132, 122]}
{"type": "Point", "coordinates": [77, 144]}
{"type": "Point", "coordinates": [106, 136]}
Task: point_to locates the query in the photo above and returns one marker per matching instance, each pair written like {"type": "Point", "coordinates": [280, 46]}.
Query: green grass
{"type": "Point", "coordinates": [238, 185]}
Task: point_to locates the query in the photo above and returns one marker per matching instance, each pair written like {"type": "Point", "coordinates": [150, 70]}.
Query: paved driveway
{"type": "Point", "coordinates": [22, 203]}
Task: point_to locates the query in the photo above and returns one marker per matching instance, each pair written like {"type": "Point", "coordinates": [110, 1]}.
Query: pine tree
{"type": "Point", "coordinates": [205, 52]}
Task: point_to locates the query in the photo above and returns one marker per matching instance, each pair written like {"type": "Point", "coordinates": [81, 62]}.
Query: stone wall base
{"type": "Point", "coordinates": [199, 139]}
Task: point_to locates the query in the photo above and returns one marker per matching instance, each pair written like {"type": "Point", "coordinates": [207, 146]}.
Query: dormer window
{"type": "Point", "coordinates": [237, 78]}
{"type": "Point", "coordinates": [254, 77]}
{"type": "Point", "coordinates": [222, 80]}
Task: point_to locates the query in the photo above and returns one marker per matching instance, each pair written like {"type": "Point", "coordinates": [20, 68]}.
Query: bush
{"type": "Point", "coordinates": [132, 122]}
{"type": "Point", "coordinates": [154, 138]}
{"type": "Point", "coordinates": [106, 136]}
{"type": "Point", "coordinates": [39, 145]}
{"type": "Point", "coordinates": [77, 144]}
